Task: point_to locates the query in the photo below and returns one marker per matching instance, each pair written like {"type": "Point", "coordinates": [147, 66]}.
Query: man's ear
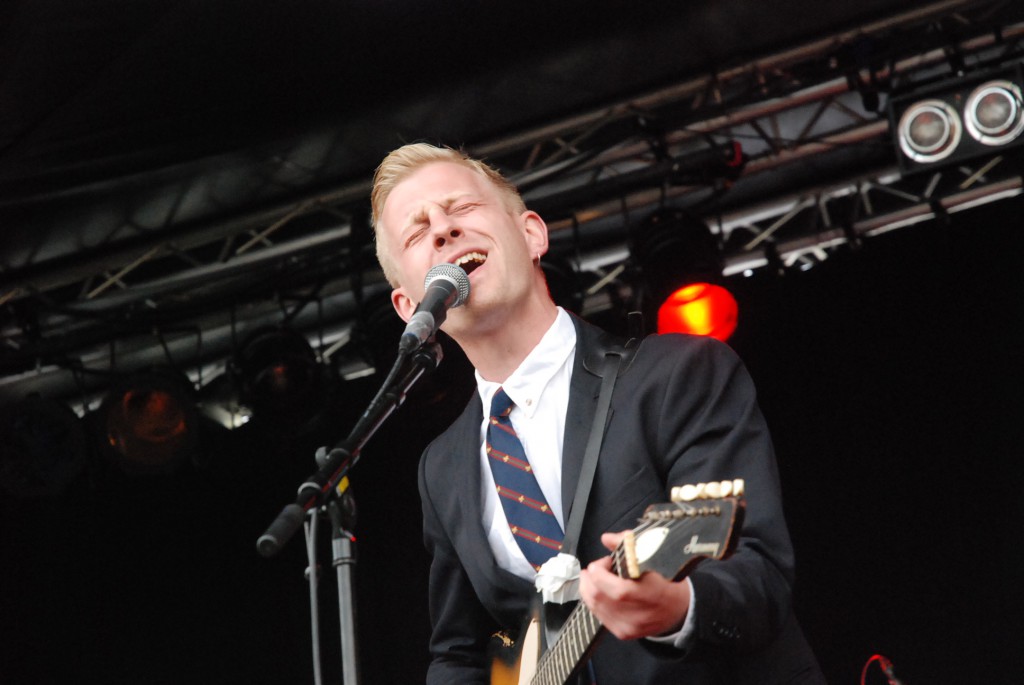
{"type": "Point", "coordinates": [403, 304]}
{"type": "Point", "coordinates": [536, 232]}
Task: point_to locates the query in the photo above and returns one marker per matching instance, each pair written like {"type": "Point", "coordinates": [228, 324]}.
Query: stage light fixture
{"type": "Point", "coordinates": [42, 448]}
{"type": "Point", "coordinates": [681, 267]}
{"type": "Point", "coordinates": [929, 131]}
{"type": "Point", "coordinates": [993, 113]}
{"type": "Point", "coordinates": [699, 309]}
{"type": "Point", "coordinates": [279, 374]}
{"type": "Point", "coordinates": [959, 120]}
{"type": "Point", "coordinates": [149, 422]}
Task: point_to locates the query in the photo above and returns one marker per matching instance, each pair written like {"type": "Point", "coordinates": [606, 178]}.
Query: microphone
{"type": "Point", "coordinates": [447, 287]}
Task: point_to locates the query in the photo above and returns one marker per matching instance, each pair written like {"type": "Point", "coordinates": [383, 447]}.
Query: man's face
{"type": "Point", "coordinates": [448, 213]}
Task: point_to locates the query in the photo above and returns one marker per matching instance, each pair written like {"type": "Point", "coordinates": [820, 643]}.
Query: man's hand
{"type": "Point", "coordinates": [630, 609]}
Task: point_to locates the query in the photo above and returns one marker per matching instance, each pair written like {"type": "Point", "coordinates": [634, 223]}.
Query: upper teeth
{"type": "Point", "coordinates": [470, 257]}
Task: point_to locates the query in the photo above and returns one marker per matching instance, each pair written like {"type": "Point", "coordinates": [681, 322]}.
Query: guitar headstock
{"type": "Point", "coordinates": [702, 522]}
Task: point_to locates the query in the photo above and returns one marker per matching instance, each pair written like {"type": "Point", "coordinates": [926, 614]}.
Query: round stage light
{"type": "Point", "coordinates": [150, 423]}
{"type": "Point", "coordinates": [993, 113]}
{"type": "Point", "coordinates": [699, 309]}
{"type": "Point", "coordinates": [280, 374]}
{"type": "Point", "coordinates": [929, 131]}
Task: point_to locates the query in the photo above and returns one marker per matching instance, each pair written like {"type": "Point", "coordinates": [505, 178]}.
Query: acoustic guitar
{"type": "Point", "coordinates": [702, 522]}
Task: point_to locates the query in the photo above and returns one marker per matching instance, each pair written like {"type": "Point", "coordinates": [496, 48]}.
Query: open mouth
{"type": "Point", "coordinates": [470, 261]}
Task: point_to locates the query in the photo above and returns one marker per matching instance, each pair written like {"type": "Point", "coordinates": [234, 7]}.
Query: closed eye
{"type": "Point", "coordinates": [415, 236]}
{"type": "Point", "coordinates": [459, 210]}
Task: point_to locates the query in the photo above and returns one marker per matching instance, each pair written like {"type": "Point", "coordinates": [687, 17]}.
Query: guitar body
{"type": "Point", "coordinates": [671, 539]}
{"type": "Point", "coordinates": [524, 667]}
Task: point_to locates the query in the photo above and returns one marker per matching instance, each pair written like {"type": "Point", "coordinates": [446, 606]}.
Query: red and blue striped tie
{"type": "Point", "coordinates": [533, 524]}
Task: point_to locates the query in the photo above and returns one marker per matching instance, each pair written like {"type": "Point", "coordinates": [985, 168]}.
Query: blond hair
{"type": "Point", "coordinates": [400, 163]}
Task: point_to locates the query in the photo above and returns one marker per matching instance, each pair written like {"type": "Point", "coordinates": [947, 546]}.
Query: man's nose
{"type": "Point", "coordinates": [442, 228]}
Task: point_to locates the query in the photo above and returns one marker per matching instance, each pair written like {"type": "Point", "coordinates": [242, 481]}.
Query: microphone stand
{"type": "Point", "coordinates": [342, 511]}
{"type": "Point", "coordinates": [325, 488]}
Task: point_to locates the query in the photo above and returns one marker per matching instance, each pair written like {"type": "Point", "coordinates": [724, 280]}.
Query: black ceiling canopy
{"type": "Point", "coordinates": [173, 175]}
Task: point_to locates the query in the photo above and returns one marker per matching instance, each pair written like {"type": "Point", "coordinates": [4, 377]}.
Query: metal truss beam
{"type": "Point", "coordinates": [783, 114]}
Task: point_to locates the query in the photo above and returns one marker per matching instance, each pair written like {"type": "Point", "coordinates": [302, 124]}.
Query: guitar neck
{"type": "Point", "coordinates": [569, 652]}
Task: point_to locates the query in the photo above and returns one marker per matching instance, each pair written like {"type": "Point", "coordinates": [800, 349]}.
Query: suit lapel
{"type": "Point", "coordinates": [466, 480]}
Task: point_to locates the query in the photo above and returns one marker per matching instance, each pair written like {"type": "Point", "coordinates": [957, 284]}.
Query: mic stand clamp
{"type": "Point", "coordinates": [319, 487]}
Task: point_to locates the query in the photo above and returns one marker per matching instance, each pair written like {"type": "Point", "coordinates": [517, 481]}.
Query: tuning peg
{"type": "Point", "coordinates": [713, 490]}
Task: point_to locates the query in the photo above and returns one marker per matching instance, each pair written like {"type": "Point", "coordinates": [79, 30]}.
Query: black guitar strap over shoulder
{"type": "Point", "coordinates": [616, 361]}
{"type": "Point", "coordinates": [613, 361]}
{"type": "Point", "coordinates": [554, 615]}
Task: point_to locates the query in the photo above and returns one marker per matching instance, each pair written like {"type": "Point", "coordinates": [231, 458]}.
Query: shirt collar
{"type": "Point", "coordinates": [528, 381]}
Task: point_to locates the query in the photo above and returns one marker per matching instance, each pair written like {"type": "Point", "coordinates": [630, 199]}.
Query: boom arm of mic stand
{"type": "Point", "coordinates": [341, 459]}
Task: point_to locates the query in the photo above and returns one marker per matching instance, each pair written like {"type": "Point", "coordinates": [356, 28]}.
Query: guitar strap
{"type": "Point", "coordinates": [554, 615]}
{"type": "Point", "coordinates": [613, 361]}
{"type": "Point", "coordinates": [610, 371]}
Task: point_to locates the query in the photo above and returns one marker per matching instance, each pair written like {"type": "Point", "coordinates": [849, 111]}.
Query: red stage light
{"type": "Point", "coordinates": [149, 422]}
{"type": "Point", "coordinates": [699, 309]}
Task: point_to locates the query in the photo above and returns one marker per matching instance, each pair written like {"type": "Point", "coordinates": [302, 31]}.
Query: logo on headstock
{"type": "Point", "coordinates": [695, 546]}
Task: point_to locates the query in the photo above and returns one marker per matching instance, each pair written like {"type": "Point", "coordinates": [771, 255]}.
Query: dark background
{"type": "Point", "coordinates": [892, 381]}
{"type": "Point", "coordinates": [890, 375]}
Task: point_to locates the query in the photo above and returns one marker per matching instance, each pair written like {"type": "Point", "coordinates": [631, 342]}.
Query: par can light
{"type": "Point", "coordinates": [993, 113]}
{"type": "Point", "coordinates": [967, 117]}
{"type": "Point", "coordinates": [929, 131]}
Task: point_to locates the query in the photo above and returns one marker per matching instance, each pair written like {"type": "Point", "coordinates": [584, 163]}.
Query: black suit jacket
{"type": "Point", "coordinates": [684, 411]}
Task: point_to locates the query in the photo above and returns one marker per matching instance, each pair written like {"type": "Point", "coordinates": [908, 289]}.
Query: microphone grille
{"type": "Point", "coordinates": [455, 274]}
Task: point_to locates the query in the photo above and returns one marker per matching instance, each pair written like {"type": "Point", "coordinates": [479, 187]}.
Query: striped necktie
{"type": "Point", "coordinates": [533, 524]}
